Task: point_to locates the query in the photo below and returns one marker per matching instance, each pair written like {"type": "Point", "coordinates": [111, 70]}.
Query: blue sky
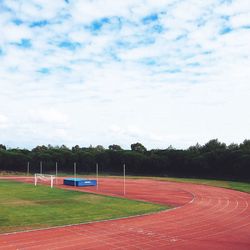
{"type": "Point", "coordinates": [171, 72]}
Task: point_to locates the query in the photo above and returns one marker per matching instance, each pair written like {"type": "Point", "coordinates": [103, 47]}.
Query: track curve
{"type": "Point", "coordinates": [205, 217]}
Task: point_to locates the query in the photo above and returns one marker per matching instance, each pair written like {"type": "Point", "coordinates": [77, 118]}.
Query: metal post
{"type": "Point", "coordinates": [75, 172]}
{"type": "Point", "coordinates": [56, 173]}
{"type": "Point", "coordinates": [124, 179]}
{"type": "Point", "coordinates": [51, 181]}
{"type": "Point", "coordinates": [97, 176]}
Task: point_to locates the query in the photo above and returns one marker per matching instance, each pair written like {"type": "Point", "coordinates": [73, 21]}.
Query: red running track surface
{"type": "Point", "coordinates": [204, 218]}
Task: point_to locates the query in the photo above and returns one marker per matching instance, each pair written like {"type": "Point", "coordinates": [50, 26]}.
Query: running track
{"type": "Point", "coordinates": [204, 218]}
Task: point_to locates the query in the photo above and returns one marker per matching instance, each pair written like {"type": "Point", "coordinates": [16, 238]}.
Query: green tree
{"type": "Point", "coordinates": [233, 146]}
{"type": "Point", "coordinates": [214, 145]}
{"type": "Point", "coordinates": [39, 148]}
{"type": "Point", "coordinates": [76, 148]}
{"type": "Point", "coordinates": [195, 148]}
{"type": "Point", "coordinates": [2, 147]}
{"type": "Point", "coordinates": [99, 148]}
{"type": "Point", "coordinates": [138, 147]}
{"type": "Point", "coordinates": [245, 145]}
{"type": "Point", "coordinates": [115, 147]}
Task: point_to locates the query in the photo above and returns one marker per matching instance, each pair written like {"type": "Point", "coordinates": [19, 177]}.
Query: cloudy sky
{"type": "Point", "coordinates": [161, 72]}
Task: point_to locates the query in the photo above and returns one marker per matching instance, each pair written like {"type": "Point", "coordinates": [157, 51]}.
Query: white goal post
{"type": "Point", "coordinates": [44, 178]}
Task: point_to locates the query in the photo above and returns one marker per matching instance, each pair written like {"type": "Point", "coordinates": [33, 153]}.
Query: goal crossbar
{"type": "Point", "coordinates": [45, 178]}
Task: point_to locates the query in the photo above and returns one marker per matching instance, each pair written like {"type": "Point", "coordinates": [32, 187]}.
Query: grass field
{"type": "Point", "coordinates": [236, 185]}
{"type": "Point", "coordinates": [25, 207]}
{"type": "Point", "coordinates": [240, 186]}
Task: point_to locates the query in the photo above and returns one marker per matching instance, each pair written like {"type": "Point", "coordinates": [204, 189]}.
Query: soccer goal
{"type": "Point", "coordinates": [45, 178]}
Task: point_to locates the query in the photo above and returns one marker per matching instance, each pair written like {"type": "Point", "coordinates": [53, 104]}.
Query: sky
{"type": "Point", "coordinates": [102, 72]}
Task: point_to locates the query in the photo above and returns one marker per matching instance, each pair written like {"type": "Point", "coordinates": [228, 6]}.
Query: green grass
{"type": "Point", "coordinates": [240, 186]}
{"type": "Point", "coordinates": [25, 207]}
{"type": "Point", "coordinates": [236, 185]}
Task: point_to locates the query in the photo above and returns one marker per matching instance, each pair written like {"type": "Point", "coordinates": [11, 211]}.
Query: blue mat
{"type": "Point", "coordinates": [79, 182]}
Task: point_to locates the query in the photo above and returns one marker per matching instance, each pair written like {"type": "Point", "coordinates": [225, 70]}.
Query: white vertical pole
{"type": "Point", "coordinates": [75, 172]}
{"type": "Point", "coordinates": [28, 168]}
{"type": "Point", "coordinates": [124, 179]}
{"type": "Point", "coordinates": [41, 167]}
{"type": "Point", "coordinates": [51, 181]}
{"type": "Point", "coordinates": [35, 180]}
{"type": "Point", "coordinates": [56, 173]}
{"type": "Point", "coordinates": [97, 176]}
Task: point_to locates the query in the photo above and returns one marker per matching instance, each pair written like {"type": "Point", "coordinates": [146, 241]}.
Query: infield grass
{"type": "Point", "coordinates": [25, 207]}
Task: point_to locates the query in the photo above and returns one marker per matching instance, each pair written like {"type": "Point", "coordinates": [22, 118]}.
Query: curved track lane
{"type": "Point", "coordinates": [204, 218]}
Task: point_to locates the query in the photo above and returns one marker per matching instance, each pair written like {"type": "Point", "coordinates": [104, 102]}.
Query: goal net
{"type": "Point", "coordinates": [45, 179]}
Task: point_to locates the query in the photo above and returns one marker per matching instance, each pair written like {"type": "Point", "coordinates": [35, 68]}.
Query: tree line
{"type": "Point", "coordinates": [211, 160]}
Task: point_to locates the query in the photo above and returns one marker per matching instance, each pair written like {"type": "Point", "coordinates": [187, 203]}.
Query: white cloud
{"type": "Point", "coordinates": [241, 20]}
{"type": "Point", "coordinates": [183, 83]}
{"type": "Point", "coordinates": [48, 116]}
{"type": "Point", "coordinates": [234, 7]}
{"type": "Point", "coordinates": [3, 121]}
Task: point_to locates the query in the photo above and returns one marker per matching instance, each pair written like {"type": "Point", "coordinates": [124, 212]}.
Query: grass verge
{"type": "Point", "coordinates": [236, 185]}
{"type": "Point", "coordinates": [25, 207]}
